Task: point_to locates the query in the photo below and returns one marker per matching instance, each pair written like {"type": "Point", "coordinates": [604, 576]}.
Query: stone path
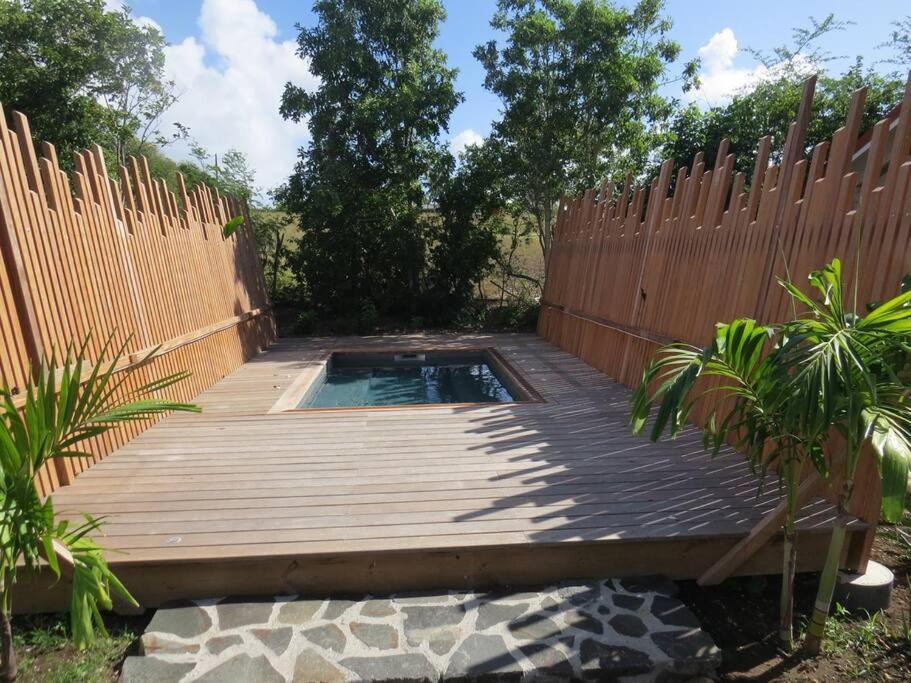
{"type": "Point", "coordinates": [603, 630]}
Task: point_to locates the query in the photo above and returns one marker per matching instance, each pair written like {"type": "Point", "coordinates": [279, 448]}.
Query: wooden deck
{"type": "Point", "coordinates": [239, 501]}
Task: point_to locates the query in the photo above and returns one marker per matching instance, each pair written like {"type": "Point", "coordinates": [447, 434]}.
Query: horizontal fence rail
{"type": "Point", "coordinates": [632, 271]}
{"type": "Point", "coordinates": [88, 255]}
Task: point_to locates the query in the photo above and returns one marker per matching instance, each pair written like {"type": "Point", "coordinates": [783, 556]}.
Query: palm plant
{"type": "Point", "coordinates": [855, 369]}
{"type": "Point", "coordinates": [65, 404]}
{"type": "Point", "coordinates": [792, 389]}
{"type": "Point", "coordinates": [756, 415]}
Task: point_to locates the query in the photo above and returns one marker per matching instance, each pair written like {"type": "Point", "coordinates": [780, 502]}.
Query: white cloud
{"type": "Point", "coordinates": [150, 22]}
{"type": "Point", "coordinates": [721, 79]}
{"type": "Point", "coordinates": [118, 5]}
{"type": "Point", "coordinates": [464, 139]}
{"type": "Point", "coordinates": [234, 104]}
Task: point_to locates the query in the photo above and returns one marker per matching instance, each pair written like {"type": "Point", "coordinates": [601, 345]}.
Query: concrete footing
{"type": "Point", "coordinates": [868, 592]}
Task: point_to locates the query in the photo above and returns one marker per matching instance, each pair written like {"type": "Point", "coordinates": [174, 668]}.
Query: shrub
{"type": "Point", "coordinates": [305, 323]}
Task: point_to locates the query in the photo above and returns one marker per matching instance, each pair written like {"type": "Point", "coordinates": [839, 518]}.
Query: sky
{"type": "Point", "coordinates": [230, 60]}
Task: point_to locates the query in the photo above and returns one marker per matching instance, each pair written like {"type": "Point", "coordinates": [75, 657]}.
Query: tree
{"type": "Point", "coordinates": [233, 175]}
{"type": "Point", "coordinates": [900, 41]}
{"type": "Point", "coordinates": [854, 368]}
{"type": "Point", "coordinates": [465, 238]}
{"type": "Point", "coordinates": [83, 75]}
{"type": "Point", "coordinates": [579, 86]}
{"type": "Point", "coordinates": [269, 230]}
{"type": "Point", "coordinates": [65, 405]}
{"type": "Point", "coordinates": [769, 106]}
{"type": "Point", "coordinates": [759, 419]}
{"type": "Point", "coordinates": [385, 95]}
{"type": "Point", "coordinates": [134, 89]}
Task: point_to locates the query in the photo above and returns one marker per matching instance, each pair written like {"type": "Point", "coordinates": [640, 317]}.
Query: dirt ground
{"type": "Point", "coordinates": [741, 615]}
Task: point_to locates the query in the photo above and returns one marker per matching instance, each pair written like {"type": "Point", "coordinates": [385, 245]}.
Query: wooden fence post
{"type": "Point", "coordinates": [22, 296]}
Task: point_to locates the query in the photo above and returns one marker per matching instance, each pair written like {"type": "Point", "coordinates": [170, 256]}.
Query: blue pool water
{"type": "Point", "coordinates": [411, 384]}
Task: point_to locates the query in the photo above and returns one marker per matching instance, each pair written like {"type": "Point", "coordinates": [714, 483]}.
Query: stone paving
{"type": "Point", "coordinates": [627, 629]}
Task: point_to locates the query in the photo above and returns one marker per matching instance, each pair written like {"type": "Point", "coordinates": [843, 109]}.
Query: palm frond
{"type": "Point", "coordinates": [65, 404]}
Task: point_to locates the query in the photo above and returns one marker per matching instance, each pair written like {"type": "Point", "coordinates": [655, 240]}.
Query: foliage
{"type": "Point", "coordinates": [769, 106]}
{"type": "Point", "coordinates": [385, 95]}
{"type": "Point", "coordinates": [900, 41]}
{"type": "Point", "coordinates": [579, 87]}
{"type": "Point", "coordinates": [520, 315]}
{"type": "Point", "coordinates": [852, 366]}
{"type": "Point", "coordinates": [46, 653]}
{"type": "Point", "coordinates": [866, 643]}
{"type": "Point", "coordinates": [135, 92]}
{"type": "Point", "coordinates": [65, 404]}
{"type": "Point", "coordinates": [82, 74]}
{"type": "Point", "coordinates": [305, 323]}
{"type": "Point", "coordinates": [232, 176]}
{"type": "Point", "coordinates": [464, 238]}
{"type": "Point", "coordinates": [270, 230]}
{"type": "Point", "coordinates": [231, 226]}
{"type": "Point", "coordinates": [831, 382]}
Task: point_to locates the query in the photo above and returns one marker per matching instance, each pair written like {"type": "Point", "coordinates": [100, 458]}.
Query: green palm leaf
{"type": "Point", "coordinates": [65, 404]}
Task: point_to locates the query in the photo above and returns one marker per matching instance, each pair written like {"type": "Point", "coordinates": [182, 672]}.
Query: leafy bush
{"type": "Point", "coordinates": [518, 316]}
{"type": "Point", "coordinates": [305, 323]}
{"type": "Point", "coordinates": [368, 318]}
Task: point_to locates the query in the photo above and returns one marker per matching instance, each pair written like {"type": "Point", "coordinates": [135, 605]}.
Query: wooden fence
{"type": "Point", "coordinates": [89, 254]}
{"type": "Point", "coordinates": [632, 271]}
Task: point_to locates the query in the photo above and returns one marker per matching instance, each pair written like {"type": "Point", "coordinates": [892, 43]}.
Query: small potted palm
{"type": "Point", "coordinates": [65, 403]}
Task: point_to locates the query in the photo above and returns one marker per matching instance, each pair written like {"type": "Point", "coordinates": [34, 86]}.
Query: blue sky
{"type": "Point", "coordinates": [231, 58]}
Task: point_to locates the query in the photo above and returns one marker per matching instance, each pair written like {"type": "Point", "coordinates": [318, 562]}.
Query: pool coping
{"type": "Point", "coordinates": [289, 401]}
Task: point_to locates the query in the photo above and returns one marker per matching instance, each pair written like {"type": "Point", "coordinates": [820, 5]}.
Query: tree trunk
{"type": "Point", "coordinates": [817, 628]}
{"type": "Point", "coordinates": [8, 668]}
{"type": "Point", "coordinates": [786, 611]}
{"type": "Point", "coordinates": [279, 240]}
{"type": "Point", "coordinates": [789, 558]}
{"type": "Point", "coordinates": [548, 232]}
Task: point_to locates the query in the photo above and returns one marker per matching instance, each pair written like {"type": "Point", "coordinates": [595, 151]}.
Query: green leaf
{"type": "Point", "coordinates": [895, 457]}
{"type": "Point", "coordinates": [50, 554]}
{"type": "Point", "coordinates": [231, 226]}
{"type": "Point", "coordinates": [892, 311]}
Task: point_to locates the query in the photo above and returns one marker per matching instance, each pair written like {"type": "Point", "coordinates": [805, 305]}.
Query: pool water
{"type": "Point", "coordinates": [407, 384]}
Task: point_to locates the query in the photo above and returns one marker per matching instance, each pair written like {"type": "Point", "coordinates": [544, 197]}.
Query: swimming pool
{"type": "Point", "coordinates": [358, 379]}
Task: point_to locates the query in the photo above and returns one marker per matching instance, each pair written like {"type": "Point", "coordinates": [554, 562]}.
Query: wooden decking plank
{"type": "Point", "coordinates": [320, 507]}
{"type": "Point", "coordinates": [241, 499]}
{"type": "Point", "coordinates": [490, 488]}
{"type": "Point", "coordinates": [481, 468]}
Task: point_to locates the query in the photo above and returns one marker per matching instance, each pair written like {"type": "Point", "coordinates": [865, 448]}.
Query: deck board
{"type": "Point", "coordinates": [237, 485]}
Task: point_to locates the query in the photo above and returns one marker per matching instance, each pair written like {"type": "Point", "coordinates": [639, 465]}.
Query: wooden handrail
{"type": "Point", "coordinates": [149, 354]}
{"type": "Point", "coordinates": [638, 333]}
